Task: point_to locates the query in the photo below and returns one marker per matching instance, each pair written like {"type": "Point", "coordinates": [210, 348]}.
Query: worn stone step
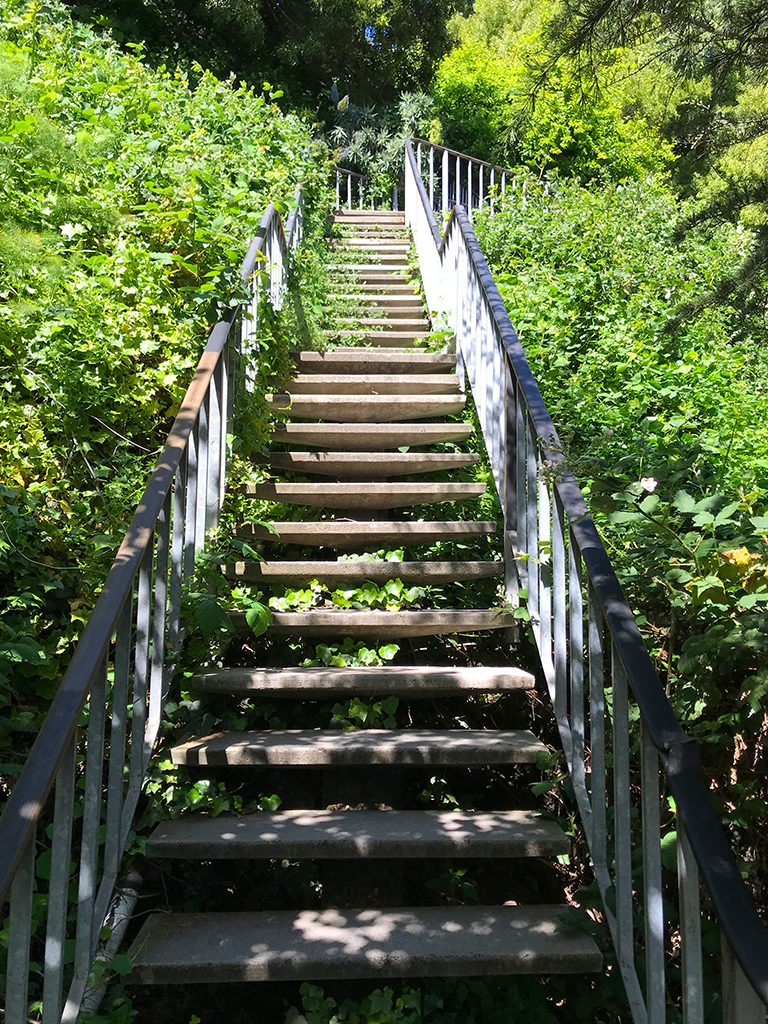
{"type": "Point", "coordinates": [365, 437]}
{"type": "Point", "coordinates": [343, 216]}
{"type": "Point", "coordinates": [377, 245]}
{"type": "Point", "coordinates": [345, 534]}
{"type": "Point", "coordinates": [401, 295]}
{"type": "Point", "coordinates": [369, 465]}
{"type": "Point", "coordinates": [394, 257]}
{"type": "Point", "coordinates": [384, 283]}
{"type": "Point", "coordinates": [367, 408]}
{"type": "Point", "coordinates": [340, 574]}
{"type": "Point", "coordinates": [374, 384]}
{"type": "Point", "coordinates": [364, 495]}
{"type": "Point", "coordinates": [360, 360]}
{"type": "Point", "coordinates": [412, 681]}
{"type": "Point", "coordinates": [304, 748]}
{"type": "Point", "coordinates": [382, 339]}
{"type": "Point", "coordinates": [385, 322]}
{"type": "Point", "coordinates": [329, 835]}
{"type": "Point", "coordinates": [383, 625]}
{"type": "Point", "coordinates": [360, 943]}
{"type": "Point", "coordinates": [383, 270]}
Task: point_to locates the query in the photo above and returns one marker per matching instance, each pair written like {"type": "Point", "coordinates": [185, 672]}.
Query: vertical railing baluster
{"type": "Point", "coordinates": [338, 190]}
{"type": "Point", "coordinates": [19, 936]}
{"type": "Point", "coordinates": [545, 573]}
{"type": "Point", "coordinates": [177, 557]}
{"type": "Point", "coordinates": [88, 928]}
{"type": "Point", "coordinates": [576, 667]}
{"type": "Point", "coordinates": [559, 610]}
{"type": "Point", "coordinates": [470, 204]}
{"type": "Point", "coordinates": [432, 177]}
{"type": "Point", "coordinates": [202, 475]}
{"type": "Point", "coordinates": [511, 586]}
{"type": "Point", "coordinates": [445, 198]}
{"type": "Point", "coordinates": [532, 524]}
{"type": "Point", "coordinates": [621, 814]}
{"type": "Point", "coordinates": [223, 393]}
{"type": "Point", "coordinates": [522, 478]}
{"type": "Point", "coordinates": [503, 186]}
{"type": "Point", "coordinates": [457, 181]}
{"type": "Point", "coordinates": [349, 191]}
{"type": "Point", "coordinates": [141, 669]}
{"type": "Point", "coordinates": [653, 907]}
{"type": "Point", "coordinates": [492, 190]}
{"type": "Point", "coordinates": [213, 486]}
{"type": "Point", "coordinates": [190, 517]}
{"type": "Point", "coordinates": [690, 929]}
{"type": "Point", "coordinates": [159, 613]}
{"type": "Point", "coordinates": [598, 837]}
{"type": "Point", "coordinates": [481, 184]}
{"type": "Point", "coordinates": [741, 1004]}
{"type": "Point", "coordinates": [117, 737]}
{"type": "Point", "coordinates": [58, 886]}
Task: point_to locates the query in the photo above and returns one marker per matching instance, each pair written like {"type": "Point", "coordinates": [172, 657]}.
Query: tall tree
{"type": "Point", "coordinates": [723, 131]}
{"type": "Point", "coordinates": [372, 49]}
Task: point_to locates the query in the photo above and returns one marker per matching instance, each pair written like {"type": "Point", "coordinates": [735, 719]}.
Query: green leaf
{"type": "Point", "coordinates": [211, 618]}
{"type": "Point", "coordinates": [259, 618]}
{"type": "Point", "coordinates": [684, 501]}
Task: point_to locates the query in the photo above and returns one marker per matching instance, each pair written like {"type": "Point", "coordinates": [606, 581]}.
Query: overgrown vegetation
{"type": "Point", "coordinates": [127, 197]}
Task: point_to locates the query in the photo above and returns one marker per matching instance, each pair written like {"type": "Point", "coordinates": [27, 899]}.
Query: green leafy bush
{"type": "Point", "coordinates": [127, 198]}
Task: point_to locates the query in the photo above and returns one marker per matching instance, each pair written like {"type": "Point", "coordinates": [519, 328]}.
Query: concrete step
{"type": "Point", "coordinates": [368, 217]}
{"type": "Point", "coordinates": [364, 495]}
{"type": "Point", "coordinates": [360, 360]}
{"type": "Point", "coordinates": [382, 625]}
{"type": "Point", "coordinates": [359, 943]}
{"type": "Point", "coordinates": [305, 748]}
{"type": "Point", "coordinates": [394, 257]}
{"type": "Point", "coordinates": [348, 535]}
{"type": "Point", "coordinates": [386, 338]}
{"type": "Point", "coordinates": [412, 681]}
{"type": "Point", "coordinates": [367, 408]}
{"type": "Point", "coordinates": [384, 322]}
{"type": "Point", "coordinates": [351, 574]}
{"type": "Point", "coordinates": [329, 835]}
{"type": "Point", "coordinates": [366, 437]}
{"type": "Point", "coordinates": [380, 282]}
{"type": "Point", "coordinates": [402, 295]}
{"type": "Point", "coordinates": [369, 466]}
{"type": "Point", "coordinates": [383, 270]}
{"type": "Point", "coordinates": [374, 384]}
{"type": "Point", "coordinates": [377, 245]}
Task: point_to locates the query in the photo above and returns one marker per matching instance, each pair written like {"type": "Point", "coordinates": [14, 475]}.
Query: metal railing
{"type": "Point", "coordinates": [636, 776]}
{"type": "Point", "coordinates": [70, 812]}
{"type": "Point", "coordinates": [355, 191]}
{"type": "Point", "coordinates": [452, 178]}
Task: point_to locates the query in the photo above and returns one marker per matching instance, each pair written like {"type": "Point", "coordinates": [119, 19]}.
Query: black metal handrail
{"type": "Point", "coordinates": [122, 668]}
{"type": "Point", "coordinates": [553, 547]}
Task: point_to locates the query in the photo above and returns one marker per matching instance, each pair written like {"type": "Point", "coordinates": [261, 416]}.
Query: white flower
{"type": "Point", "coordinates": [649, 484]}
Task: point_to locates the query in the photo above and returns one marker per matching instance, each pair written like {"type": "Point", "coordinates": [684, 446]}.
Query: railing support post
{"type": "Point", "coordinates": [741, 1004]}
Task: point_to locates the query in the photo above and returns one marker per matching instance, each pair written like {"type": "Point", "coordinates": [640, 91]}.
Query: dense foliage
{"type": "Point", "coordinates": [371, 49]}
{"type": "Point", "coordinates": [487, 103]}
{"type": "Point", "coordinates": [662, 419]}
{"type": "Point", "coordinates": [126, 200]}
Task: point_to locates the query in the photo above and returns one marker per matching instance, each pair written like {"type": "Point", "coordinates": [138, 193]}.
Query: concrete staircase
{"type": "Point", "coordinates": [368, 405]}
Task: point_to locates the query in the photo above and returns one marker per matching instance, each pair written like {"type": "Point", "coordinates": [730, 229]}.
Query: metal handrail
{"type": "Point", "coordinates": [123, 665]}
{"type": "Point", "coordinates": [464, 156]}
{"type": "Point", "coordinates": [553, 548]}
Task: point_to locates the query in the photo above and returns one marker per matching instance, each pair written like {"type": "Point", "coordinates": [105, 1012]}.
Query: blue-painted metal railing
{"type": "Point", "coordinates": [82, 781]}
{"type": "Point", "coordinates": [627, 755]}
